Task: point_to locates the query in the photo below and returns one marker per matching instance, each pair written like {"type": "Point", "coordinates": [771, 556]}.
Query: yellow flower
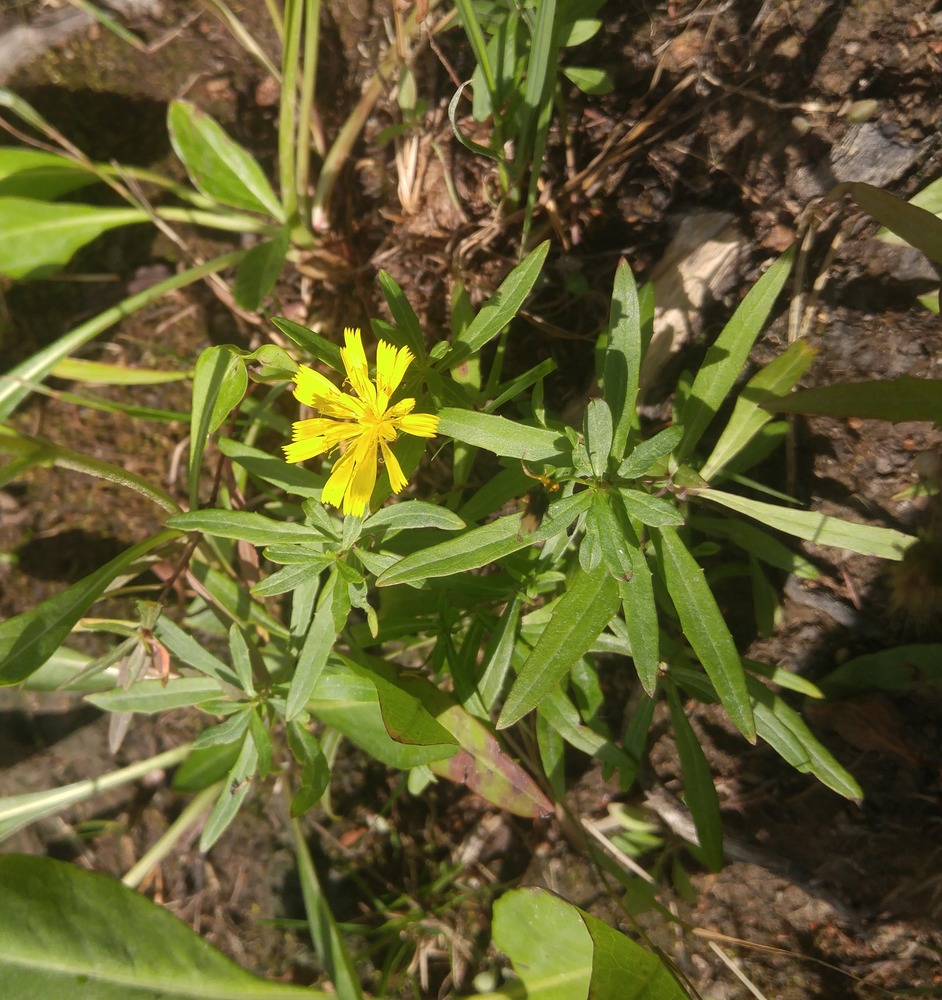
{"type": "Point", "coordinates": [363, 420]}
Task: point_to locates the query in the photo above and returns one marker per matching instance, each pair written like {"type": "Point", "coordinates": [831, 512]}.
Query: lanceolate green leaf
{"type": "Point", "coordinates": [500, 308]}
{"type": "Point", "coordinates": [699, 790]}
{"type": "Point", "coordinates": [245, 525]}
{"type": "Point", "coordinates": [28, 640]}
{"type": "Point", "coordinates": [258, 272]}
{"type": "Point", "coordinates": [704, 627]}
{"type": "Point", "coordinates": [503, 437]}
{"type": "Point", "coordinates": [887, 543]}
{"type": "Point", "coordinates": [897, 399]}
{"type": "Point", "coordinates": [748, 416]}
{"type": "Point", "coordinates": [580, 615]}
{"type": "Point", "coordinates": [151, 696]}
{"type": "Point", "coordinates": [480, 546]}
{"type": "Point", "coordinates": [726, 358]}
{"type": "Point", "coordinates": [217, 165]}
{"type": "Point", "coordinates": [622, 364]}
{"type": "Point", "coordinates": [313, 657]}
{"type": "Point", "coordinates": [69, 932]}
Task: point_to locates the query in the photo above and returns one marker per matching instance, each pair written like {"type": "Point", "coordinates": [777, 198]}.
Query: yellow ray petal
{"type": "Point", "coordinates": [419, 424]}
{"type": "Point", "coordinates": [397, 480]}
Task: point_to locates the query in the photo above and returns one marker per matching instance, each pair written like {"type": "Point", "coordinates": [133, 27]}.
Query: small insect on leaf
{"type": "Point", "coordinates": [537, 500]}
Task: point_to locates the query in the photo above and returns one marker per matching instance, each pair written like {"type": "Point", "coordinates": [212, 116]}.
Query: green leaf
{"type": "Point", "coordinates": [760, 395]}
{"type": "Point", "coordinates": [898, 399]}
{"type": "Point", "coordinates": [563, 717]}
{"type": "Point", "coordinates": [590, 80]}
{"type": "Point", "coordinates": [481, 546]}
{"type": "Point", "coordinates": [236, 788]}
{"type": "Point", "coordinates": [312, 659]}
{"type": "Point", "coordinates": [650, 510]}
{"type": "Point", "coordinates": [39, 237]}
{"type": "Point", "coordinates": [152, 696]}
{"type": "Point", "coordinates": [315, 345]}
{"type": "Point", "coordinates": [207, 765]}
{"type": "Point", "coordinates": [916, 668]}
{"type": "Point", "coordinates": [598, 436]}
{"type": "Point", "coordinates": [500, 308]}
{"type": "Point", "coordinates": [273, 469]}
{"type": "Point", "coordinates": [99, 373]}
{"type": "Point", "coordinates": [32, 173]}
{"type": "Point", "coordinates": [218, 166]}
{"type": "Point", "coordinates": [412, 514]}
{"type": "Point", "coordinates": [758, 543]}
{"type": "Point", "coordinates": [887, 543]}
{"type": "Point", "coordinates": [919, 228]}
{"type": "Point", "coordinates": [259, 270]}
{"type": "Point", "coordinates": [622, 365]}
{"type": "Point", "coordinates": [481, 763]}
{"type": "Point", "coordinates": [579, 617]}
{"type": "Point", "coordinates": [219, 383]}
{"type": "Point", "coordinates": [699, 790]}
{"type": "Point", "coordinates": [626, 563]}
{"type": "Point", "coordinates": [245, 525]}
{"type": "Point", "coordinates": [704, 627]}
{"type": "Point", "coordinates": [788, 734]}
{"type": "Point", "coordinates": [726, 358]}
{"type": "Point", "coordinates": [562, 953]}
{"type": "Point", "coordinates": [404, 315]}
{"type": "Point", "coordinates": [504, 437]}
{"type": "Point", "coordinates": [28, 640]}
{"type": "Point", "coordinates": [325, 934]}
{"type": "Point", "coordinates": [193, 653]}
{"type": "Point", "coordinates": [641, 458]}
{"type": "Point", "coordinates": [71, 933]}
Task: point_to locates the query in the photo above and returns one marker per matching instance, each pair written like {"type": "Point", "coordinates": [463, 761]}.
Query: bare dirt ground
{"type": "Point", "coordinates": [753, 110]}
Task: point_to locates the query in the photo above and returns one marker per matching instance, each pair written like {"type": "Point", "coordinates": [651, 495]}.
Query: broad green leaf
{"type": "Point", "coordinates": [598, 436]}
{"type": "Point", "coordinates": [699, 791]}
{"type": "Point", "coordinates": [28, 640]}
{"type": "Point", "coordinates": [560, 952]}
{"type": "Point", "coordinates": [500, 309]}
{"type": "Point", "coordinates": [70, 933]}
{"type": "Point", "coordinates": [481, 763]}
{"type": "Point", "coordinates": [704, 627]}
{"type": "Point", "coordinates": [898, 399]}
{"type": "Point", "coordinates": [237, 787]}
{"type": "Point", "coordinates": [258, 272]}
{"type": "Point", "coordinates": [919, 228]}
{"type": "Point", "coordinates": [32, 173]}
{"type": "Point", "coordinates": [579, 617]}
{"type": "Point", "coordinates": [822, 529]}
{"type": "Point", "coordinates": [726, 358]}
{"type": "Point", "coordinates": [207, 765]}
{"type": "Point", "coordinates": [764, 389]}
{"type": "Point", "coordinates": [39, 237]}
{"type": "Point", "coordinates": [622, 364]}
{"type": "Point", "coordinates": [245, 525]}
{"type": "Point", "coordinates": [315, 768]}
{"type": "Point", "coordinates": [151, 696]}
{"type": "Point", "coordinates": [650, 510]}
{"type": "Point", "coordinates": [788, 734]}
{"type": "Point", "coordinates": [481, 546]}
{"type": "Point", "coordinates": [218, 166]}
{"type": "Point", "coordinates": [504, 437]}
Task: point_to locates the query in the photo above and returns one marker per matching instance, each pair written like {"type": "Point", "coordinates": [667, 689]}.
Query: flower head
{"type": "Point", "coordinates": [363, 421]}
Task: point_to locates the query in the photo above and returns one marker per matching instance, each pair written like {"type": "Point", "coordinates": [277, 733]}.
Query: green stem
{"type": "Point", "coordinates": [15, 386]}
{"type": "Point", "coordinates": [306, 136]}
{"type": "Point", "coordinates": [287, 122]}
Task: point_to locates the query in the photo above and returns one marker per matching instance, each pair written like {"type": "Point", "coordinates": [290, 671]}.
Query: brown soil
{"type": "Point", "coordinates": [747, 109]}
